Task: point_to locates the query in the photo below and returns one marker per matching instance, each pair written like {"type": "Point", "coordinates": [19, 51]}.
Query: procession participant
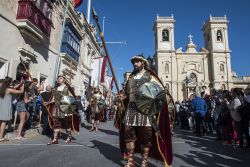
{"type": "Point", "coordinates": [46, 97]}
{"type": "Point", "coordinates": [63, 110]}
{"type": "Point", "coordinates": [31, 107]}
{"type": "Point", "coordinates": [171, 110]}
{"type": "Point", "coordinates": [146, 114]}
{"type": "Point", "coordinates": [95, 110]}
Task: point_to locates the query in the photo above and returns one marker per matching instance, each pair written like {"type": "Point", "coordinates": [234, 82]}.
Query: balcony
{"type": "Point", "coordinates": [31, 21]}
{"type": "Point", "coordinates": [70, 52]}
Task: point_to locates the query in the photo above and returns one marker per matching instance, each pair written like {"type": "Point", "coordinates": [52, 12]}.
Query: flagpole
{"type": "Point", "coordinates": [105, 49]}
{"type": "Point", "coordinates": [58, 59]}
{"type": "Point", "coordinates": [88, 11]}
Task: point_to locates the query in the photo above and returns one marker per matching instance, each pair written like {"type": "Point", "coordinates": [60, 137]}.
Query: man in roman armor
{"type": "Point", "coordinates": [145, 124]}
{"type": "Point", "coordinates": [62, 113]}
{"type": "Point", "coordinates": [95, 109]}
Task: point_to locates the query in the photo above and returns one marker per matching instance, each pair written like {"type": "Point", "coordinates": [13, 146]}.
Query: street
{"type": "Point", "coordinates": [100, 149]}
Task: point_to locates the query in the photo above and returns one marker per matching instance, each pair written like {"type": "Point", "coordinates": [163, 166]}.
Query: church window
{"type": "Point", "coordinates": [223, 87]}
{"type": "Point", "coordinates": [219, 36]}
{"type": "Point", "coordinates": [165, 35]}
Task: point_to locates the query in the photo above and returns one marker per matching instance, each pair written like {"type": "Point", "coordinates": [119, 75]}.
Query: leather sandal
{"type": "Point", "coordinates": [144, 162]}
{"type": "Point", "coordinates": [92, 129]}
{"type": "Point", "coordinates": [54, 141]}
{"type": "Point", "coordinates": [68, 140]}
{"type": "Point", "coordinates": [130, 160]}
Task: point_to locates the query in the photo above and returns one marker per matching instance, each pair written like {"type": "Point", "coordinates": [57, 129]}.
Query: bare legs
{"type": "Point", "coordinates": [2, 128]}
{"type": "Point", "coordinates": [68, 140]}
{"type": "Point", "coordinates": [55, 138]}
{"type": "Point", "coordinates": [23, 116]}
{"type": "Point", "coordinates": [94, 125]}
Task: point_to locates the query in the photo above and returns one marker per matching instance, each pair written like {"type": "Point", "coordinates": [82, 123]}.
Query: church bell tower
{"type": "Point", "coordinates": [216, 42]}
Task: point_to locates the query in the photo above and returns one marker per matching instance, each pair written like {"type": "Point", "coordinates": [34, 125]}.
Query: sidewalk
{"type": "Point", "coordinates": [28, 133]}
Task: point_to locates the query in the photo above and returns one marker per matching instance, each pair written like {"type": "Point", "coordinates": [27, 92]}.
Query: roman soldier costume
{"type": "Point", "coordinates": [95, 109]}
{"type": "Point", "coordinates": [146, 114]}
{"type": "Point", "coordinates": [63, 112]}
{"type": "Point", "coordinates": [97, 106]}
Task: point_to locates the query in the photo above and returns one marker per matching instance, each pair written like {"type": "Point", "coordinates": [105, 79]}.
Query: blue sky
{"type": "Point", "coordinates": [132, 20]}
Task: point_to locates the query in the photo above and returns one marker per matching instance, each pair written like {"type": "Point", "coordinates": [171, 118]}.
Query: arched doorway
{"type": "Point", "coordinates": [223, 87]}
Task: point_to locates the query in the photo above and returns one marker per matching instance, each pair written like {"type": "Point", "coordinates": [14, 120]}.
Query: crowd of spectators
{"type": "Point", "coordinates": [223, 113]}
{"type": "Point", "coordinates": [21, 108]}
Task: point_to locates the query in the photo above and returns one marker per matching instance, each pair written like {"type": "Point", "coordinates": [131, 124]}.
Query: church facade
{"type": "Point", "coordinates": [184, 72]}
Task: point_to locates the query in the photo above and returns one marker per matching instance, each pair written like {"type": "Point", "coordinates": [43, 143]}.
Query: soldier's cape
{"type": "Point", "coordinates": [162, 142]}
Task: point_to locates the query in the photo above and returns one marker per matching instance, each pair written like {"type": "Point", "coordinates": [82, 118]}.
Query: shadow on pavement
{"type": "Point", "coordinates": [108, 151]}
{"type": "Point", "coordinates": [108, 132]}
{"type": "Point", "coordinates": [113, 153]}
{"type": "Point", "coordinates": [210, 153]}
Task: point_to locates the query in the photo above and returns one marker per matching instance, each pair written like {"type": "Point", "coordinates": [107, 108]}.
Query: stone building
{"type": "Point", "coordinates": [186, 71]}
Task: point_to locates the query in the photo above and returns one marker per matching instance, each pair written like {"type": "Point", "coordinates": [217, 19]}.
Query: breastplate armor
{"type": "Point", "coordinates": [134, 84]}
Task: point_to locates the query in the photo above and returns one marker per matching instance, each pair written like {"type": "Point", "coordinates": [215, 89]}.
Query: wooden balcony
{"type": "Point", "coordinates": [31, 21]}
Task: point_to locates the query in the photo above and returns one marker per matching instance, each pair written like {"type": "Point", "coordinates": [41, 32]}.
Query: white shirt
{"type": "Point", "coordinates": [233, 109]}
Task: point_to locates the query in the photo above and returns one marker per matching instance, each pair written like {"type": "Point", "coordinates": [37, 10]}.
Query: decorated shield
{"type": "Point", "coordinates": [150, 98]}
{"type": "Point", "coordinates": [101, 104]}
{"type": "Point", "coordinates": [68, 104]}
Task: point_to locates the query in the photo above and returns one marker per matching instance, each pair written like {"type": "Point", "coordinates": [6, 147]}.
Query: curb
{"type": "Point", "coordinates": [10, 136]}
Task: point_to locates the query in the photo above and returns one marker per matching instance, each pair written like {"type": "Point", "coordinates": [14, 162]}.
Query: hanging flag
{"type": "Point", "coordinates": [77, 3]}
{"type": "Point", "coordinates": [95, 73]}
{"type": "Point", "coordinates": [107, 83]}
{"type": "Point", "coordinates": [103, 72]}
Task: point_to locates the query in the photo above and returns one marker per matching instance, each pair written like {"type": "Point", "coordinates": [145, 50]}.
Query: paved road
{"type": "Point", "coordinates": [100, 149]}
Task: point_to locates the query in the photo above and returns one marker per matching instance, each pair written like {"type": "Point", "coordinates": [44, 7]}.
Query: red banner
{"type": "Point", "coordinates": [111, 84]}
{"type": "Point", "coordinates": [77, 3]}
{"type": "Point", "coordinates": [103, 72]}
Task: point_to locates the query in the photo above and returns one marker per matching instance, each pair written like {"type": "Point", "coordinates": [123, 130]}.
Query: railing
{"type": "Point", "coordinates": [28, 10]}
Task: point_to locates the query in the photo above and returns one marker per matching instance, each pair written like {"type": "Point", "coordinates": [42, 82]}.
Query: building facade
{"type": "Point", "coordinates": [188, 71]}
{"type": "Point", "coordinates": [79, 48]}
{"type": "Point", "coordinates": [30, 36]}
